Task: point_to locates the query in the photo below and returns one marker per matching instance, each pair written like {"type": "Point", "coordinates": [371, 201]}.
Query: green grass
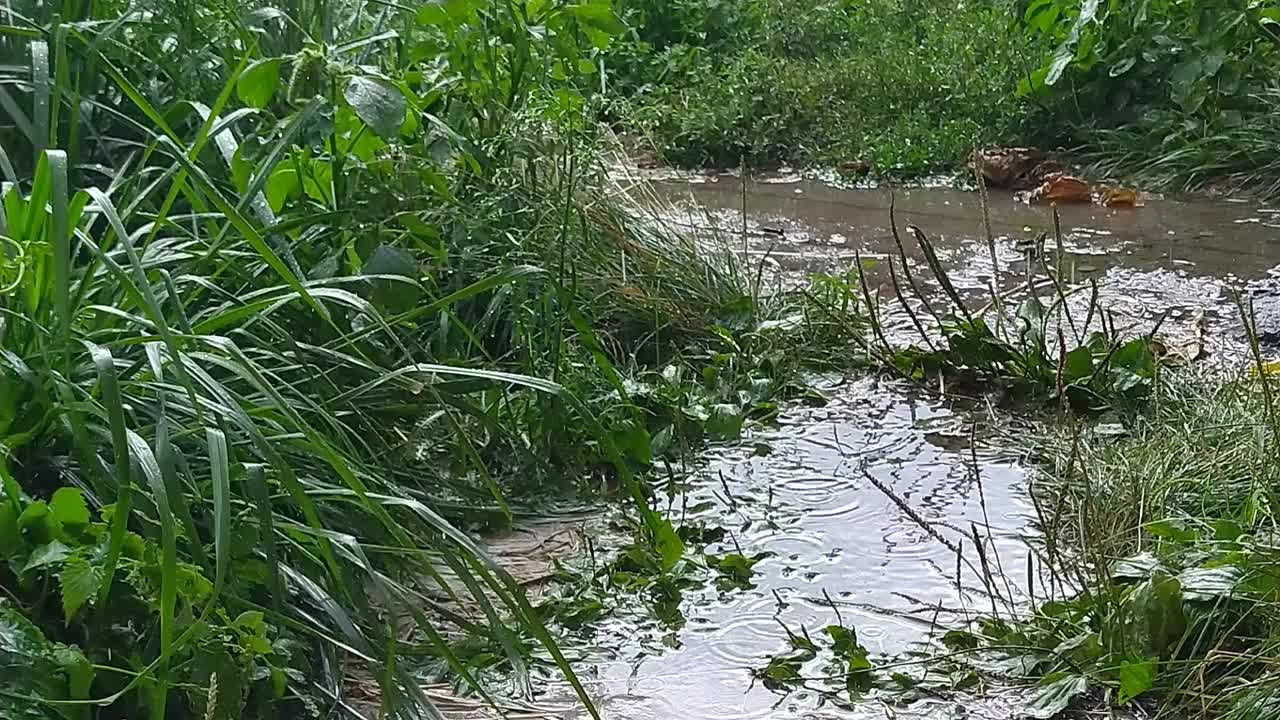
{"type": "Point", "coordinates": [909, 90]}
{"type": "Point", "coordinates": [1175, 96]}
{"type": "Point", "coordinates": [1158, 567]}
{"type": "Point", "coordinates": [286, 311]}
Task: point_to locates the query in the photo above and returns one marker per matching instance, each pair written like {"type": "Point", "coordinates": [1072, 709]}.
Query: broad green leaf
{"type": "Point", "coordinates": [258, 83]}
{"type": "Point", "coordinates": [724, 422]}
{"type": "Point", "coordinates": [1209, 584]}
{"type": "Point", "coordinates": [379, 104]}
{"type": "Point", "coordinates": [598, 15]}
{"type": "Point", "coordinates": [445, 13]}
{"type": "Point", "coordinates": [1055, 695]}
{"type": "Point", "coordinates": [51, 553]}
{"type": "Point", "coordinates": [1136, 677]}
{"type": "Point", "coordinates": [282, 186]}
{"type": "Point", "coordinates": [668, 543]}
{"type": "Point", "coordinates": [69, 508]}
{"type": "Point", "coordinates": [1158, 605]}
{"type": "Point", "coordinates": [80, 580]}
{"type": "Point", "coordinates": [1077, 365]}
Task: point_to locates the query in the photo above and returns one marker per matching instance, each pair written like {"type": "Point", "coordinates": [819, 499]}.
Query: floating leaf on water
{"type": "Point", "coordinates": [1120, 197]}
{"type": "Point", "coordinates": [1059, 189]}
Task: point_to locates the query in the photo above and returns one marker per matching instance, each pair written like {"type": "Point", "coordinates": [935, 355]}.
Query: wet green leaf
{"type": "Point", "coordinates": [1209, 583]}
{"type": "Point", "coordinates": [1138, 567]}
{"type": "Point", "coordinates": [598, 15]}
{"type": "Point", "coordinates": [1077, 366]}
{"type": "Point", "coordinates": [1136, 677]}
{"type": "Point", "coordinates": [1175, 530]}
{"type": "Point", "coordinates": [1055, 695]}
{"type": "Point", "coordinates": [379, 104]}
{"type": "Point", "coordinates": [51, 553]}
{"type": "Point", "coordinates": [667, 542]}
{"type": "Point", "coordinates": [724, 422]}
{"type": "Point", "coordinates": [257, 84]}
{"type": "Point", "coordinates": [1158, 603]}
{"type": "Point", "coordinates": [282, 186]}
{"type": "Point", "coordinates": [68, 507]}
{"type": "Point", "coordinates": [80, 580]}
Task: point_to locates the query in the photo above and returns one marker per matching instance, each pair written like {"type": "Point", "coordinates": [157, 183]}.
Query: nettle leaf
{"type": "Point", "coordinates": [50, 553]}
{"type": "Point", "coordinates": [1055, 695]}
{"type": "Point", "coordinates": [257, 84]}
{"type": "Point", "coordinates": [69, 508]}
{"type": "Point", "coordinates": [379, 104]}
{"type": "Point", "coordinates": [80, 580]}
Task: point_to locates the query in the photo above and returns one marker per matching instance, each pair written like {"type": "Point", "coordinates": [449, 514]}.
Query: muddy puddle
{"type": "Point", "coordinates": [1180, 257]}
{"type": "Point", "coordinates": [801, 490]}
{"type": "Point", "coordinates": [838, 549]}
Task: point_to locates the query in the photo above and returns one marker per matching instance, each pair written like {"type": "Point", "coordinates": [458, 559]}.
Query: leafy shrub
{"type": "Point", "coordinates": [909, 89]}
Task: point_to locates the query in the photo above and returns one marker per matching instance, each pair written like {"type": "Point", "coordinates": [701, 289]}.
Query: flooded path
{"type": "Point", "coordinates": [1180, 256]}
{"type": "Point", "coordinates": [832, 538]}
{"type": "Point", "coordinates": [801, 491]}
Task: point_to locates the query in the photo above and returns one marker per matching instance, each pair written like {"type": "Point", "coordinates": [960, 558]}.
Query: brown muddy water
{"type": "Point", "coordinates": [798, 490]}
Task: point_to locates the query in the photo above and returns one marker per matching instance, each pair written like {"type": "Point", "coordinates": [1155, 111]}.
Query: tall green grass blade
{"type": "Point", "coordinates": [220, 473]}
{"type": "Point", "coordinates": [61, 82]}
{"type": "Point", "coordinates": [247, 231]}
{"type": "Point", "coordinates": [168, 467]}
{"type": "Point", "coordinates": [114, 406]}
{"type": "Point", "coordinates": [261, 495]}
{"type": "Point", "coordinates": [154, 310]}
{"type": "Point", "coordinates": [150, 468]}
{"type": "Point", "coordinates": [60, 242]}
{"type": "Point", "coordinates": [17, 115]}
{"type": "Point", "coordinates": [40, 97]}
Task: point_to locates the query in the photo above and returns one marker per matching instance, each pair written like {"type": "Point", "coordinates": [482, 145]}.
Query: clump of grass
{"type": "Point", "coordinates": [1166, 567]}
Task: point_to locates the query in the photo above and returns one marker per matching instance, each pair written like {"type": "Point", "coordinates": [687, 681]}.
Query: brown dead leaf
{"type": "Point", "coordinates": [1120, 197]}
{"type": "Point", "coordinates": [1061, 188]}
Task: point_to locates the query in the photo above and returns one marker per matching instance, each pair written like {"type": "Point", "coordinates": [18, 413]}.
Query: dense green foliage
{"type": "Point", "coordinates": [292, 296]}
{"type": "Point", "coordinates": [1179, 92]}
{"type": "Point", "coordinates": [1160, 566]}
{"type": "Point", "coordinates": [906, 86]}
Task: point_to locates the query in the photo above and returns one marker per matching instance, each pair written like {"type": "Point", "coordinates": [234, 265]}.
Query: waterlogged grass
{"type": "Point", "coordinates": [1163, 544]}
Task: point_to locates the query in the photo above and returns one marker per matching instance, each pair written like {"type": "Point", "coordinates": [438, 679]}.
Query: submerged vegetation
{"type": "Point", "coordinates": [1181, 94]}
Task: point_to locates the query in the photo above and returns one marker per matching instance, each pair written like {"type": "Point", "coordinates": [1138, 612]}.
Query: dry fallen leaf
{"type": "Point", "coordinates": [1061, 188]}
{"type": "Point", "coordinates": [1120, 197]}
